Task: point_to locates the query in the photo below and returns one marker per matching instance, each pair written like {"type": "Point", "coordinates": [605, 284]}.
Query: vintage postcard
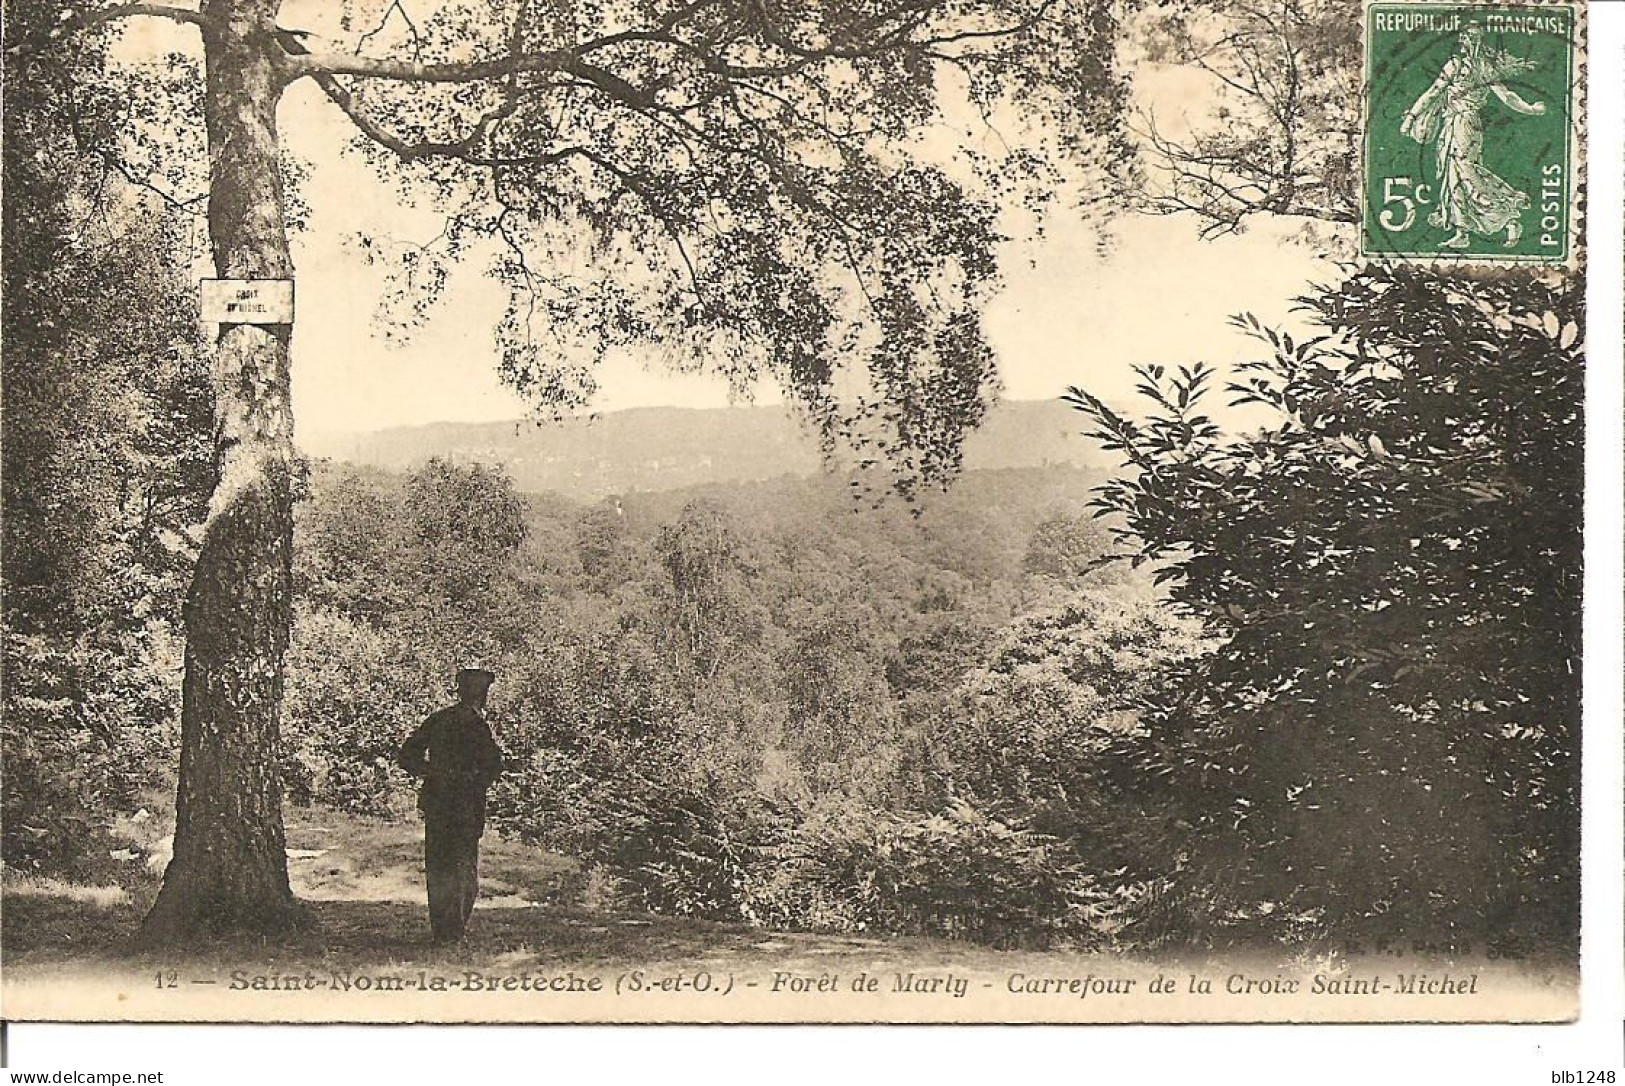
{"type": "Point", "coordinates": [717, 511]}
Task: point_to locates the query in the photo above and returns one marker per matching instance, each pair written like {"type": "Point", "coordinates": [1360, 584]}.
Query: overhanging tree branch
{"type": "Point", "coordinates": [464, 151]}
{"type": "Point", "coordinates": [84, 20]}
{"type": "Point", "coordinates": [562, 62]}
{"type": "Point", "coordinates": [1282, 141]}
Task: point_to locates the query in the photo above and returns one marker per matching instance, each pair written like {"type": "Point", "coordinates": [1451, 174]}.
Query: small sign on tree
{"type": "Point", "coordinates": [247, 301]}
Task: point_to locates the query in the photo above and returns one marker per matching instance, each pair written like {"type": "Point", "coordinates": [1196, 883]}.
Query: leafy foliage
{"type": "Point", "coordinates": [106, 470]}
{"type": "Point", "coordinates": [960, 874]}
{"type": "Point", "coordinates": [1390, 728]}
{"type": "Point", "coordinates": [749, 704]}
{"type": "Point", "coordinates": [749, 188]}
{"type": "Point", "coordinates": [1070, 548]}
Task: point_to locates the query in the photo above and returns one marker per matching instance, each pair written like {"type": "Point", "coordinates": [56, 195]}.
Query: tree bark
{"type": "Point", "coordinates": [230, 871]}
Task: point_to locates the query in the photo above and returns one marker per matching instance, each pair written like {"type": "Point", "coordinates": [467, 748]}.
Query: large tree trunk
{"type": "Point", "coordinates": [230, 869]}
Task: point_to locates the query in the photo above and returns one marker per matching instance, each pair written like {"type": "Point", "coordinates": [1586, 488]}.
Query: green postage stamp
{"type": "Point", "coordinates": [1469, 131]}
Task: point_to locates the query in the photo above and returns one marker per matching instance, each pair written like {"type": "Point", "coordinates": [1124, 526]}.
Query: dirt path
{"type": "Point", "coordinates": [536, 951]}
{"type": "Point", "coordinates": [362, 880]}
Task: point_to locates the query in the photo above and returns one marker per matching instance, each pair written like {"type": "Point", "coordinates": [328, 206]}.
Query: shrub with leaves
{"type": "Point", "coordinates": [353, 695]}
{"type": "Point", "coordinates": [960, 874]}
{"type": "Point", "coordinates": [1025, 734]}
{"type": "Point", "coordinates": [693, 850]}
{"type": "Point", "coordinates": [106, 466]}
{"type": "Point", "coordinates": [1388, 734]}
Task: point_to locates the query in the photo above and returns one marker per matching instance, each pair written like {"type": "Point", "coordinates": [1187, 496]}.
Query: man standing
{"type": "Point", "coordinates": [456, 757]}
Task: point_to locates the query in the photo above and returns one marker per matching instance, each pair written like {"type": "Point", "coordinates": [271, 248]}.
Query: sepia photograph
{"type": "Point", "coordinates": [793, 511]}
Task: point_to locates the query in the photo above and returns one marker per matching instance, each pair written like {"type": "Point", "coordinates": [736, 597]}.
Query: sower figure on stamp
{"type": "Point", "coordinates": [457, 758]}
{"type": "Point", "coordinates": [1449, 114]}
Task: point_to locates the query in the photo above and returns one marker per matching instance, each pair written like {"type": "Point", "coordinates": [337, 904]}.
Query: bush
{"type": "Point", "coordinates": [84, 731]}
{"type": "Point", "coordinates": [1030, 735]}
{"type": "Point", "coordinates": [1387, 735]}
{"type": "Point", "coordinates": [690, 851]}
{"type": "Point", "coordinates": [350, 702]}
{"type": "Point", "coordinates": [959, 874]}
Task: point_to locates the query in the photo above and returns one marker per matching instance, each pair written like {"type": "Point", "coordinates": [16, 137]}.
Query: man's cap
{"type": "Point", "coordinates": [475, 676]}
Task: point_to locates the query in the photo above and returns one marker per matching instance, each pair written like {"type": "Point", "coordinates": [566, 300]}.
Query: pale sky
{"type": "Point", "coordinates": [1068, 315]}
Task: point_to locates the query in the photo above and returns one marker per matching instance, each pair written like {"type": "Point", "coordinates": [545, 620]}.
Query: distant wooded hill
{"type": "Point", "coordinates": [664, 448]}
